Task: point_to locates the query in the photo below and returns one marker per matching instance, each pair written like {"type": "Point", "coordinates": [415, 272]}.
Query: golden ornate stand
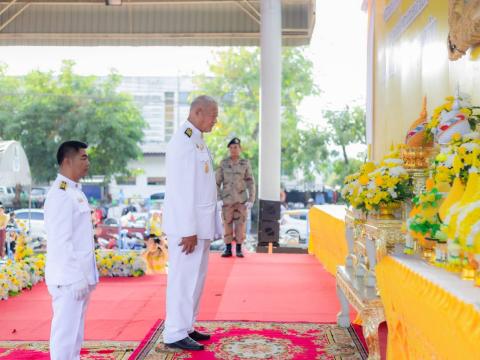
{"type": "Point", "coordinates": [368, 242]}
{"type": "Point", "coordinates": [352, 290]}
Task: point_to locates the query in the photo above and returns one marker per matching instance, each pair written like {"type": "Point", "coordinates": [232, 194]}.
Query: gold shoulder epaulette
{"type": "Point", "coordinates": [189, 132]}
{"type": "Point", "coordinates": [63, 185]}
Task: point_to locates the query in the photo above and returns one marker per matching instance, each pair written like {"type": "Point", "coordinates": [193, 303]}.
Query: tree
{"type": "Point", "coordinates": [43, 109]}
{"type": "Point", "coordinates": [235, 82]}
{"type": "Point", "coordinates": [345, 127]}
{"type": "Point", "coordinates": [338, 170]}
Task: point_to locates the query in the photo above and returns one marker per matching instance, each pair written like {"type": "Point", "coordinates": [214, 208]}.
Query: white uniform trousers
{"type": "Point", "coordinates": [68, 323]}
{"type": "Point", "coordinates": [186, 279]}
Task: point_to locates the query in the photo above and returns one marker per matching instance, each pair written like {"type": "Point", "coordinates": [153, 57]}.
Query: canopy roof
{"type": "Point", "coordinates": [148, 22]}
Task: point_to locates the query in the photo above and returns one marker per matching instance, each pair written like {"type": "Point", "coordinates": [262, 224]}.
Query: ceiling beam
{"type": "Point", "coordinates": [248, 12]}
{"type": "Point", "coordinates": [145, 36]}
{"type": "Point", "coordinates": [130, 2]}
{"type": "Point", "coordinates": [8, 6]}
{"type": "Point", "coordinates": [13, 17]}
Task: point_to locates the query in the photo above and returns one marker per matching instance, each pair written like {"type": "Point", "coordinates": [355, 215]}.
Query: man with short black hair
{"type": "Point", "coordinates": [70, 271]}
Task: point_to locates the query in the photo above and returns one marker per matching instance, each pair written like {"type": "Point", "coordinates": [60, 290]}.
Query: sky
{"type": "Point", "coordinates": [337, 49]}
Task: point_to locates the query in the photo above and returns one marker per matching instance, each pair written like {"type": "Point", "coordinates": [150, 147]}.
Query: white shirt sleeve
{"type": "Point", "coordinates": [59, 225]}
{"type": "Point", "coordinates": [181, 173]}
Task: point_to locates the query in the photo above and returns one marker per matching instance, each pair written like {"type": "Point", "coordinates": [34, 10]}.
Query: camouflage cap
{"type": "Point", "coordinates": [234, 141]}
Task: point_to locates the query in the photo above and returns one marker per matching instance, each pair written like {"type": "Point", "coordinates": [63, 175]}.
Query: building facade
{"type": "Point", "coordinates": [164, 103]}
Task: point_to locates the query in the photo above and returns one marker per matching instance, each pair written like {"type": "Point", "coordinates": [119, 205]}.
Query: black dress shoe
{"type": "Point", "coordinates": [186, 344]}
{"type": "Point", "coordinates": [198, 336]}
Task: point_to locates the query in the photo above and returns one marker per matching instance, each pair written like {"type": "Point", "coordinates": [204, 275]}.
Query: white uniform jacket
{"type": "Point", "coordinates": [191, 193]}
{"type": "Point", "coordinates": [70, 244]}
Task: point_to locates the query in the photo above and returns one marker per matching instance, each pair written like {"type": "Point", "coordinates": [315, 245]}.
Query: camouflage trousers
{"type": "Point", "coordinates": [234, 222]}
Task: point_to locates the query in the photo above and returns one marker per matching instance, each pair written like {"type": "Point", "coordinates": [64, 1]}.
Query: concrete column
{"type": "Point", "coordinates": [270, 101]}
{"type": "Point", "coordinates": [370, 79]}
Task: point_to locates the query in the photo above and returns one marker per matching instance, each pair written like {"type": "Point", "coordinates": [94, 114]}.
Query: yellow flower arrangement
{"type": "Point", "coordinates": [379, 184]}
{"type": "Point", "coordinates": [462, 107]}
{"type": "Point", "coordinates": [457, 158]}
{"type": "Point", "coordinates": [22, 273]}
{"type": "Point", "coordinates": [424, 220]}
{"type": "Point", "coordinates": [28, 268]}
{"type": "Point", "coordinates": [113, 264]}
{"type": "Point", "coordinates": [389, 183]}
{"type": "Point", "coordinates": [435, 119]}
{"type": "Point", "coordinates": [354, 184]}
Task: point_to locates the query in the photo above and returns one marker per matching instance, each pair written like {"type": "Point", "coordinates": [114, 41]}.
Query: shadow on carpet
{"type": "Point", "coordinates": [234, 340]}
{"type": "Point", "coordinates": [38, 350]}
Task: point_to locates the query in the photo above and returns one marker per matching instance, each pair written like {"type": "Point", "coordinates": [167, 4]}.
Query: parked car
{"type": "Point", "coordinates": [108, 230]}
{"type": "Point", "coordinates": [293, 227]}
{"type": "Point", "coordinates": [157, 200]}
{"type": "Point", "coordinates": [7, 195]}
{"type": "Point", "coordinates": [158, 196]}
{"type": "Point", "coordinates": [38, 196]}
{"type": "Point", "coordinates": [217, 245]}
{"type": "Point", "coordinates": [34, 222]}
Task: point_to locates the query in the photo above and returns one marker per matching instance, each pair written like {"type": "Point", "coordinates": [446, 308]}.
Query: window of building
{"type": "Point", "coordinates": [183, 97]}
{"type": "Point", "coordinates": [169, 115]}
{"type": "Point", "coordinates": [156, 180]}
{"type": "Point", "coordinates": [126, 180]}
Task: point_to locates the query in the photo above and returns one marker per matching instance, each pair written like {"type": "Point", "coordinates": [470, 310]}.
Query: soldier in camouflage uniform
{"type": "Point", "coordinates": [236, 194]}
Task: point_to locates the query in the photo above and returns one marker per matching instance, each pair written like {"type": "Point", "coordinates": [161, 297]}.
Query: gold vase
{"type": "Point", "coordinates": [469, 267]}
{"type": "Point", "coordinates": [428, 249]}
{"type": "Point", "coordinates": [441, 252]}
{"type": "Point", "coordinates": [477, 278]}
{"type": "Point", "coordinates": [387, 211]}
{"type": "Point", "coordinates": [477, 270]}
{"type": "Point", "coordinates": [417, 157]}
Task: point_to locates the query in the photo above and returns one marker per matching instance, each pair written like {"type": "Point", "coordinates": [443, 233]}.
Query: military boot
{"type": "Point", "coordinates": [239, 251]}
{"type": "Point", "coordinates": [228, 250]}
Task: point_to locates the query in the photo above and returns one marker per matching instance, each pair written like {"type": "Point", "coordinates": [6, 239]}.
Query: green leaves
{"type": "Point", "coordinates": [43, 109]}
{"type": "Point", "coordinates": [236, 84]}
{"type": "Point", "coordinates": [426, 226]}
{"type": "Point", "coordinates": [345, 127]}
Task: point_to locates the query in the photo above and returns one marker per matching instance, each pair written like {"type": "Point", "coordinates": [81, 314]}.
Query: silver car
{"type": "Point", "coordinates": [33, 220]}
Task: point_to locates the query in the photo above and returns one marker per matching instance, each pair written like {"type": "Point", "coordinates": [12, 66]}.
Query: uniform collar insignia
{"type": "Point", "coordinates": [63, 185]}
{"type": "Point", "coordinates": [69, 183]}
{"type": "Point", "coordinates": [189, 132]}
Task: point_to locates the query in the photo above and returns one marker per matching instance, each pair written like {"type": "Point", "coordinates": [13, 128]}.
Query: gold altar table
{"type": "Point", "coordinates": [327, 235]}
{"type": "Point", "coordinates": [431, 313]}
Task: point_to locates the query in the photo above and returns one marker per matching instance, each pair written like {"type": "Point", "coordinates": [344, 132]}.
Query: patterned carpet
{"type": "Point", "coordinates": [38, 350]}
{"type": "Point", "coordinates": [261, 340]}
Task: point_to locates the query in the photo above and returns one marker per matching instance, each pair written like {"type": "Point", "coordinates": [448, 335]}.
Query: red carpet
{"type": "Point", "coordinates": [236, 340]}
{"type": "Point", "coordinates": [120, 309]}
{"type": "Point", "coordinates": [260, 287]}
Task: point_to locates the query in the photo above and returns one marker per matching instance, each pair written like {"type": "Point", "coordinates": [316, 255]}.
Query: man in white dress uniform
{"type": "Point", "coordinates": [191, 221]}
{"type": "Point", "coordinates": [70, 271]}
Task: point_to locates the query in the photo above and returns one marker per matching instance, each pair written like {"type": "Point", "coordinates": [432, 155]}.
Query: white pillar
{"type": "Point", "coordinates": [370, 79]}
{"type": "Point", "coordinates": [270, 101]}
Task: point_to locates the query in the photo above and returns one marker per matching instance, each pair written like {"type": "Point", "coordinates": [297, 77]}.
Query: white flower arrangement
{"type": "Point", "coordinates": [115, 263]}
{"type": "Point", "coordinates": [16, 276]}
{"type": "Point", "coordinates": [28, 270]}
